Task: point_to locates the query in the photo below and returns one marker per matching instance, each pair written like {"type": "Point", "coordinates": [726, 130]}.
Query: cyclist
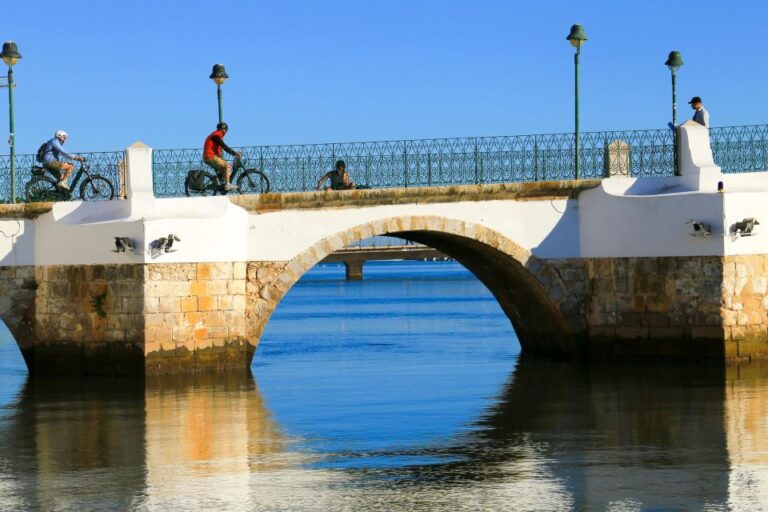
{"type": "Point", "coordinates": [52, 153]}
{"type": "Point", "coordinates": [214, 144]}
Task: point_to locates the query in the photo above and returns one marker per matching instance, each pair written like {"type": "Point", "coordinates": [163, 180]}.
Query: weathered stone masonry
{"type": "Point", "coordinates": [678, 307]}
{"type": "Point", "coordinates": [135, 319]}
{"type": "Point", "coordinates": [168, 318]}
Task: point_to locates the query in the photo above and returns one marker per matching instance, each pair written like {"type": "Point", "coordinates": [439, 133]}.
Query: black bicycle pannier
{"type": "Point", "coordinates": [196, 180]}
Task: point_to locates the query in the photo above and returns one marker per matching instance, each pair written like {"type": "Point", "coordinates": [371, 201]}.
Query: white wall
{"type": "Point", "coordinates": [547, 228]}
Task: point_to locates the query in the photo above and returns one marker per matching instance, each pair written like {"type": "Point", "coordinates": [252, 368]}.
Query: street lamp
{"type": "Point", "coordinates": [219, 76]}
{"type": "Point", "coordinates": [674, 62]}
{"type": "Point", "coordinates": [10, 56]}
{"type": "Point", "coordinates": [577, 38]}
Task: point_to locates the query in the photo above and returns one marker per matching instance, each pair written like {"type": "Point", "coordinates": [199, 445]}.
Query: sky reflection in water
{"type": "Point", "coordinates": [403, 392]}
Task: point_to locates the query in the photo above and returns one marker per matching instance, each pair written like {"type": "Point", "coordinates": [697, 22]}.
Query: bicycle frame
{"type": "Point", "coordinates": [237, 166]}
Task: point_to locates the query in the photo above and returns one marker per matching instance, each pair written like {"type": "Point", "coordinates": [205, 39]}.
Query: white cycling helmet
{"type": "Point", "coordinates": [60, 133]}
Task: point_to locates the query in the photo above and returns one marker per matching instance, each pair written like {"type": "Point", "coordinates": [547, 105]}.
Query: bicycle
{"type": "Point", "coordinates": [44, 188]}
{"type": "Point", "coordinates": [204, 183]}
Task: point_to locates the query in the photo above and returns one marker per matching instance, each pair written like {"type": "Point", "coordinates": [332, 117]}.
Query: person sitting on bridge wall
{"type": "Point", "coordinates": [339, 178]}
{"type": "Point", "coordinates": [52, 151]}
{"type": "Point", "coordinates": [214, 144]}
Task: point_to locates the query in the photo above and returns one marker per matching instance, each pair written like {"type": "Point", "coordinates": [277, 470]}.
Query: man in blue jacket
{"type": "Point", "coordinates": [51, 158]}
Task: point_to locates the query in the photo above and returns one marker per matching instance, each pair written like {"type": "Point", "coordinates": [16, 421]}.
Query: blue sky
{"type": "Point", "coordinates": [334, 71]}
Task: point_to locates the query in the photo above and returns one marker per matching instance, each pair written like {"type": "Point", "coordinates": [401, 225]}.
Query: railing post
{"type": "Point", "coordinates": [535, 159]}
{"type": "Point", "coordinates": [429, 169]}
{"type": "Point", "coordinates": [405, 163]}
{"type": "Point", "coordinates": [303, 176]}
{"type": "Point", "coordinates": [474, 155]}
{"type": "Point", "coordinates": [309, 165]}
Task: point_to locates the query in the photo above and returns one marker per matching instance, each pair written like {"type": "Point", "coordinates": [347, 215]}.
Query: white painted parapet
{"type": "Point", "coordinates": [654, 217]}
{"type": "Point", "coordinates": [697, 166]}
{"type": "Point", "coordinates": [210, 229]}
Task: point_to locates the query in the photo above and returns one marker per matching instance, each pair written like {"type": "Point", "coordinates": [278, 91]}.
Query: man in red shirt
{"type": "Point", "coordinates": [212, 148]}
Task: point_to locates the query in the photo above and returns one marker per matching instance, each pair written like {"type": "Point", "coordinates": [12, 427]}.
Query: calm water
{"type": "Point", "coordinates": [403, 392]}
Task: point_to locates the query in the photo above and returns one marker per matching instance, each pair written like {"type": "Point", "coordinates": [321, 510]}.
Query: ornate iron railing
{"type": "Point", "coordinates": [110, 165]}
{"type": "Point", "coordinates": [435, 162]}
{"type": "Point", "coordinates": [454, 161]}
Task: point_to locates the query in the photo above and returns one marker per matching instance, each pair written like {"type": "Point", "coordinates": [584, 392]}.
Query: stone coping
{"type": "Point", "coordinates": [24, 210]}
{"type": "Point", "coordinates": [540, 190]}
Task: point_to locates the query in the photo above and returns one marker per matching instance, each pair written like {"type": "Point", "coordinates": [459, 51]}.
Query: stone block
{"type": "Point", "coordinates": [631, 332]}
{"type": "Point", "coordinates": [182, 335]}
{"type": "Point", "coordinates": [174, 319]}
{"type": "Point", "coordinates": [189, 304]}
{"type": "Point", "coordinates": [170, 305]}
{"type": "Point", "coordinates": [198, 288]}
{"type": "Point", "coordinates": [152, 305]}
{"type": "Point", "coordinates": [132, 305]}
{"type": "Point", "coordinates": [154, 319]}
{"type": "Point", "coordinates": [221, 271]}
{"type": "Point", "coordinates": [163, 335]}
{"type": "Point", "coordinates": [206, 303]}
{"type": "Point", "coordinates": [238, 303]}
{"type": "Point", "coordinates": [666, 333]}
{"type": "Point", "coordinates": [204, 271]}
{"type": "Point", "coordinates": [218, 332]}
{"type": "Point", "coordinates": [179, 288]}
{"type": "Point", "coordinates": [193, 318]}
{"type": "Point", "coordinates": [239, 270]}
{"type": "Point", "coordinates": [213, 318]}
{"type": "Point", "coordinates": [707, 333]}
{"type": "Point", "coordinates": [217, 287]}
{"type": "Point", "coordinates": [224, 302]}
{"type": "Point", "coordinates": [236, 287]}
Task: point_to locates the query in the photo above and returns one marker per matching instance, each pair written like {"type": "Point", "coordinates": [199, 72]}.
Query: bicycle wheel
{"type": "Point", "coordinates": [204, 184]}
{"type": "Point", "coordinates": [253, 181]}
{"type": "Point", "coordinates": [42, 189]}
{"type": "Point", "coordinates": [97, 188]}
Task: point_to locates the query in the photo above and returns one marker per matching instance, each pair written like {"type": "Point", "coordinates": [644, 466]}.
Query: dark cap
{"type": "Point", "coordinates": [695, 99]}
{"type": "Point", "coordinates": [341, 163]}
{"type": "Point", "coordinates": [222, 126]}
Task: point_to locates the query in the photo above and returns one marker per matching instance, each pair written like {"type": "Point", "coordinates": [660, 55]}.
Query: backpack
{"type": "Point", "coordinates": [41, 152]}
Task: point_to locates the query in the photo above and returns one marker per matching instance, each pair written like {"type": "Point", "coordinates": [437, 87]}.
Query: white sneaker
{"type": "Point", "coordinates": [63, 185]}
{"type": "Point", "coordinates": [230, 187]}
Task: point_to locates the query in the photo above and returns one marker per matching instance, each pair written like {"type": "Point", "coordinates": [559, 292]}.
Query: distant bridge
{"type": "Point", "coordinates": [380, 248]}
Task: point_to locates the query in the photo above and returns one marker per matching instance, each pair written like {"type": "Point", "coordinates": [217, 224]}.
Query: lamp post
{"type": "Point", "coordinates": [10, 56]}
{"type": "Point", "coordinates": [577, 38]}
{"type": "Point", "coordinates": [674, 62]}
{"type": "Point", "coordinates": [219, 76]}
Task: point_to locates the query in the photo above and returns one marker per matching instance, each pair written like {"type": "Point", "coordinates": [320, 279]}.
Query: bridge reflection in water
{"type": "Point", "coordinates": [559, 437]}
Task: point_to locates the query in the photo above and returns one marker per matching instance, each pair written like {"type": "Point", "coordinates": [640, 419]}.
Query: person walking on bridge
{"type": "Point", "coordinates": [212, 149]}
{"type": "Point", "coordinates": [700, 114]}
{"type": "Point", "coordinates": [52, 151]}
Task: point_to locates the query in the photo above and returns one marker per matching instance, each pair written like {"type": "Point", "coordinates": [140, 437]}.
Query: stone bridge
{"type": "Point", "coordinates": [622, 267]}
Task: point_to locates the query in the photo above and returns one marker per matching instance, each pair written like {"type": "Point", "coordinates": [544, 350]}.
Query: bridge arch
{"type": "Point", "coordinates": [544, 299]}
